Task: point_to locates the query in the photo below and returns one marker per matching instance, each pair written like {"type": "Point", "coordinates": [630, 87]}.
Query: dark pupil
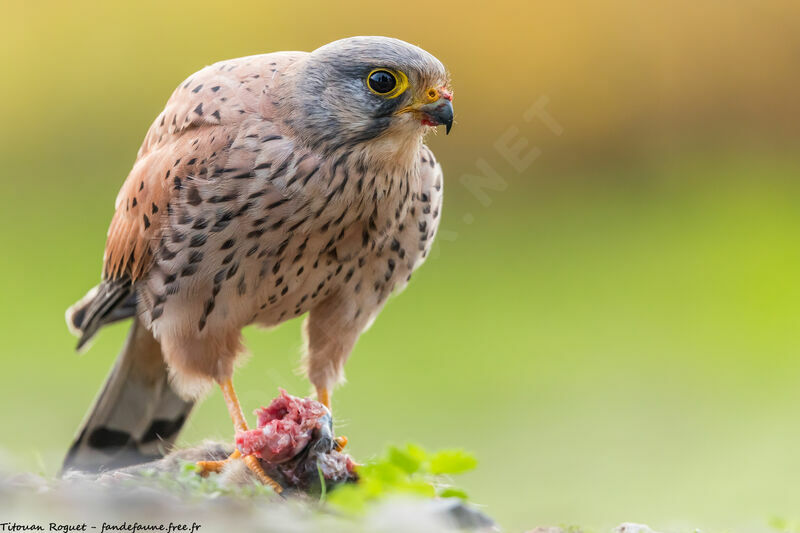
{"type": "Point", "coordinates": [381, 82]}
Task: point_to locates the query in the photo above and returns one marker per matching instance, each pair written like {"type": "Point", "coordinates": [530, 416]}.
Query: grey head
{"type": "Point", "coordinates": [358, 89]}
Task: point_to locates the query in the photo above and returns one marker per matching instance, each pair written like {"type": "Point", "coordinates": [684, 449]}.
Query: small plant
{"type": "Point", "coordinates": [402, 470]}
{"type": "Point", "coordinates": [189, 483]}
{"type": "Point", "coordinates": [408, 470]}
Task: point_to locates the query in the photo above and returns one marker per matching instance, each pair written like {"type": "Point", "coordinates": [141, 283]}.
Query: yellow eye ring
{"type": "Point", "coordinates": [386, 82]}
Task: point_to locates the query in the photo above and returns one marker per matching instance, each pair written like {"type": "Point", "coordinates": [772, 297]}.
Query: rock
{"type": "Point", "coordinates": [127, 497]}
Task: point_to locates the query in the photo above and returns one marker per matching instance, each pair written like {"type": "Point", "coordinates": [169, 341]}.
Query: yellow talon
{"type": "Point", "coordinates": [239, 424]}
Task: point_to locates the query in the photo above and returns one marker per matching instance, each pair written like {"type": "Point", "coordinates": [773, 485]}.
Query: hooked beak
{"type": "Point", "coordinates": [439, 112]}
{"type": "Point", "coordinates": [438, 109]}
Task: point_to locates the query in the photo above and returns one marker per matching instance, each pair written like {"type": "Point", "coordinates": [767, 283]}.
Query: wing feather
{"type": "Point", "coordinates": [190, 138]}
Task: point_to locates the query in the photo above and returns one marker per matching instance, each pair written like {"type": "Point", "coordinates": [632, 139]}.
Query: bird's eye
{"type": "Point", "coordinates": [387, 83]}
{"type": "Point", "coordinates": [381, 81]}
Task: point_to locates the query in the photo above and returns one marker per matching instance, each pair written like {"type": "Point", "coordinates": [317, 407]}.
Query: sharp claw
{"type": "Point", "coordinates": [255, 467]}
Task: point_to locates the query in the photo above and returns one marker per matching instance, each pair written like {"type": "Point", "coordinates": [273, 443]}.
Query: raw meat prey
{"type": "Point", "coordinates": [295, 437]}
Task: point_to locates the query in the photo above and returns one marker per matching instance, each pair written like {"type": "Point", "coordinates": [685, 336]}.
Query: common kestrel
{"type": "Point", "coordinates": [270, 186]}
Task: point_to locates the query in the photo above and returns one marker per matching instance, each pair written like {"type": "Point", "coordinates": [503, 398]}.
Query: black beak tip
{"type": "Point", "coordinates": [445, 115]}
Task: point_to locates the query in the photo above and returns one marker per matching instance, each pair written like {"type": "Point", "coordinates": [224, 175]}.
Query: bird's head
{"type": "Point", "coordinates": [361, 89]}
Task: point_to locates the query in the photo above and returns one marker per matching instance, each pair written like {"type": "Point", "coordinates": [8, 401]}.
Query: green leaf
{"type": "Point", "coordinates": [452, 492]}
{"type": "Point", "coordinates": [417, 452]}
{"type": "Point", "coordinates": [189, 467]}
{"type": "Point", "coordinates": [406, 470]}
{"type": "Point", "coordinates": [452, 462]}
{"type": "Point", "coordinates": [418, 488]}
{"type": "Point", "coordinates": [323, 487]}
{"type": "Point", "coordinates": [385, 472]}
{"type": "Point", "coordinates": [348, 498]}
{"type": "Point", "coordinates": [404, 460]}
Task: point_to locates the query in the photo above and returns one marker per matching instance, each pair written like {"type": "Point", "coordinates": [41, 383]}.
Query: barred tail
{"type": "Point", "coordinates": [137, 415]}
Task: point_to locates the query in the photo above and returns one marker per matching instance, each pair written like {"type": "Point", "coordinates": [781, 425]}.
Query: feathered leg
{"type": "Point", "coordinates": [330, 334]}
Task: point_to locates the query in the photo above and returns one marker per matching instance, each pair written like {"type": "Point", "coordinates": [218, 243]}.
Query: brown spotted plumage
{"type": "Point", "coordinates": [271, 187]}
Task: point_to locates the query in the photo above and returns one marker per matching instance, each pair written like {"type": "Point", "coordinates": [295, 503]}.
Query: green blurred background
{"type": "Point", "coordinates": [614, 333]}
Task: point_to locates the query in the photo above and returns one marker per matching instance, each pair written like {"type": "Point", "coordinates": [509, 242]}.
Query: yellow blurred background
{"type": "Point", "coordinates": [610, 322]}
